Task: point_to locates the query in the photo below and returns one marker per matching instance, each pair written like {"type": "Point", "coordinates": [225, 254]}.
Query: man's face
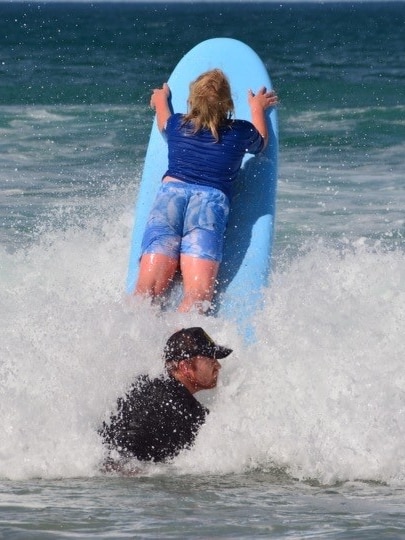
{"type": "Point", "coordinates": [203, 373]}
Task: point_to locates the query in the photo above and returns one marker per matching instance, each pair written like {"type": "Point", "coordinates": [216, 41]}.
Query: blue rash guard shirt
{"type": "Point", "coordinates": [196, 158]}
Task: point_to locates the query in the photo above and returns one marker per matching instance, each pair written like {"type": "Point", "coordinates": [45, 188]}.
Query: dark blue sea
{"type": "Point", "coordinates": [306, 436]}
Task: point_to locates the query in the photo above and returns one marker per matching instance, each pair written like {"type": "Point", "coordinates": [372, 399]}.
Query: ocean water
{"type": "Point", "coordinates": [306, 434]}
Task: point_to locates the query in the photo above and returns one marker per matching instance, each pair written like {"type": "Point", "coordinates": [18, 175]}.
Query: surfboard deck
{"type": "Point", "coordinates": [245, 268]}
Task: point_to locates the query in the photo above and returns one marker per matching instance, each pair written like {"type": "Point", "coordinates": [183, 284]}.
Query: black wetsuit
{"type": "Point", "coordinates": [155, 420]}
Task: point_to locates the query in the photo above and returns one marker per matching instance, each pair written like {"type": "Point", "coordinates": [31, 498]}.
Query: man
{"type": "Point", "coordinates": [158, 418]}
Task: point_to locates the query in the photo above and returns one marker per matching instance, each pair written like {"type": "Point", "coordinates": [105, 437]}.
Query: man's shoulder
{"type": "Point", "coordinates": [144, 384]}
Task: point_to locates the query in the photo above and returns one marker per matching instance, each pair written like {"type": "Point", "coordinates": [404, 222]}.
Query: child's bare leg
{"type": "Point", "coordinates": [156, 271]}
{"type": "Point", "coordinates": [199, 277]}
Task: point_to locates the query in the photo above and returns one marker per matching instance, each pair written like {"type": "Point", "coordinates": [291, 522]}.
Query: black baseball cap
{"type": "Point", "coordinates": [190, 342]}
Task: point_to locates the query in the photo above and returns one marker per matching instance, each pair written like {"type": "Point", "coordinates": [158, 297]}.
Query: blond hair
{"type": "Point", "coordinates": [210, 102]}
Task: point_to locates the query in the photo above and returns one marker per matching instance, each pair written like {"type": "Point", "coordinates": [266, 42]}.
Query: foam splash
{"type": "Point", "coordinates": [321, 393]}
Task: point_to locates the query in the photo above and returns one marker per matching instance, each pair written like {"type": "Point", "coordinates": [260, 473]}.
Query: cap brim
{"type": "Point", "coordinates": [222, 352]}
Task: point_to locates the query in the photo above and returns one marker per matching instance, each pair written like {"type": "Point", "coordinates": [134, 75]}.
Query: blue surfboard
{"type": "Point", "coordinates": [245, 268]}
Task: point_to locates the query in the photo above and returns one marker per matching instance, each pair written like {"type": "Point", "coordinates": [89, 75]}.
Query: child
{"type": "Point", "coordinates": [187, 223]}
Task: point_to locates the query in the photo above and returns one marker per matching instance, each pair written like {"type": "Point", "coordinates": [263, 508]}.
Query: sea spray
{"type": "Point", "coordinates": [321, 393]}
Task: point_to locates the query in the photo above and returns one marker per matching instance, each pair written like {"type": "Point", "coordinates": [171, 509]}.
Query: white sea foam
{"type": "Point", "coordinates": [321, 393]}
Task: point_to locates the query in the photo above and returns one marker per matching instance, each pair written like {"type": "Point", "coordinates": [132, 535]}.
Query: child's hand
{"type": "Point", "coordinates": [263, 99]}
{"type": "Point", "coordinates": [160, 96]}
{"type": "Point", "coordinates": [160, 102]}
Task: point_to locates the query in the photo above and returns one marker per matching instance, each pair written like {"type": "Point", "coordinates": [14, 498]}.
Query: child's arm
{"type": "Point", "coordinates": [160, 102]}
{"type": "Point", "coordinates": [258, 103]}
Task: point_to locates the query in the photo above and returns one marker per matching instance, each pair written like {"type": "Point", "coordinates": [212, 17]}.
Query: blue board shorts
{"type": "Point", "coordinates": [187, 219]}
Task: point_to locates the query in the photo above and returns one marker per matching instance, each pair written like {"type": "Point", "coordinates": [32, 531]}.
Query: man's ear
{"type": "Point", "coordinates": [185, 366]}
